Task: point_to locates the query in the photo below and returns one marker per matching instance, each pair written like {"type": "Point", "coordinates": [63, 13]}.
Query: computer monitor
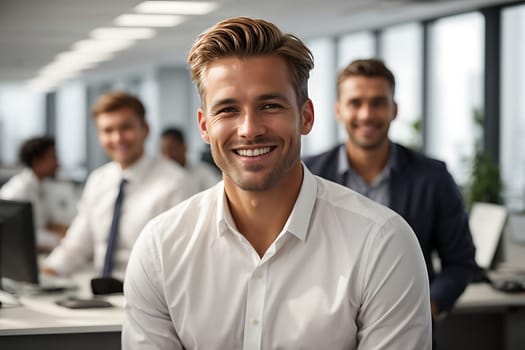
{"type": "Point", "coordinates": [18, 254]}
{"type": "Point", "coordinates": [487, 223]}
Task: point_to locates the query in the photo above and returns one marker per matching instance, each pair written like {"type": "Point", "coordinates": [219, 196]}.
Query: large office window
{"type": "Point", "coordinates": [354, 46]}
{"type": "Point", "coordinates": [22, 115]}
{"type": "Point", "coordinates": [321, 88]}
{"type": "Point", "coordinates": [71, 130]}
{"type": "Point", "coordinates": [512, 129]}
{"type": "Point", "coordinates": [351, 47]}
{"type": "Point", "coordinates": [401, 49]}
{"type": "Point", "coordinates": [455, 91]}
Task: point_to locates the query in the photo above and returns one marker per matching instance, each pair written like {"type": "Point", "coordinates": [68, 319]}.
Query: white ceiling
{"type": "Point", "coordinates": [33, 32]}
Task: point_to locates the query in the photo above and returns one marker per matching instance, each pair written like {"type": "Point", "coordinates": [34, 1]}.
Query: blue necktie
{"type": "Point", "coordinates": [113, 232]}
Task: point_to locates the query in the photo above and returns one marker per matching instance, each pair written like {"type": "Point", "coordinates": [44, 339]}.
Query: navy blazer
{"type": "Point", "coordinates": [424, 193]}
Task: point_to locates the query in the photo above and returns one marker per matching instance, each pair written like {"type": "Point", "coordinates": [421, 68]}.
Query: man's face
{"type": "Point", "coordinates": [366, 108]}
{"type": "Point", "coordinates": [122, 134]}
{"type": "Point", "coordinates": [252, 120]}
{"type": "Point", "coordinates": [173, 149]}
{"type": "Point", "coordinates": [47, 164]}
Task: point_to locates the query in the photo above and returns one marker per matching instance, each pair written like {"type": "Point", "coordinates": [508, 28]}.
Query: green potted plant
{"type": "Point", "coordinates": [485, 182]}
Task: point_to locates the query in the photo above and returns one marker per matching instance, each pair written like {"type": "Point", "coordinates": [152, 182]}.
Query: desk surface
{"type": "Point", "coordinates": [38, 314]}
{"type": "Point", "coordinates": [483, 295]}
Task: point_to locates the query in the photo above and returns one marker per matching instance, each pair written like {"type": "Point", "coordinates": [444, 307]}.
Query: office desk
{"type": "Point", "coordinates": [484, 318]}
{"type": "Point", "coordinates": [41, 324]}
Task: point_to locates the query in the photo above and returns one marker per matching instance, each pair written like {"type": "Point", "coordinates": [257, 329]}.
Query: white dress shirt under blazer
{"type": "Point", "coordinates": [344, 273]}
{"type": "Point", "coordinates": [154, 185]}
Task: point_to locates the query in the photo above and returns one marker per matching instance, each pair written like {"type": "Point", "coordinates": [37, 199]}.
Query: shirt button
{"type": "Point", "coordinates": [255, 322]}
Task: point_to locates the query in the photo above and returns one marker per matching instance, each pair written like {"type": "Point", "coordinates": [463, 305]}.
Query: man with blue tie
{"type": "Point", "coordinates": [120, 196]}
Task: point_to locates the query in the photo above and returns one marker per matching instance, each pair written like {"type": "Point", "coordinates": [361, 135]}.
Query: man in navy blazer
{"type": "Point", "coordinates": [419, 188]}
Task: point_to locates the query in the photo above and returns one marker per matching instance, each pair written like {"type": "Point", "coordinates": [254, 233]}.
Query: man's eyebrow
{"type": "Point", "coordinates": [275, 96]}
{"type": "Point", "coordinates": [223, 102]}
{"type": "Point", "coordinates": [261, 98]}
{"type": "Point", "coordinates": [371, 98]}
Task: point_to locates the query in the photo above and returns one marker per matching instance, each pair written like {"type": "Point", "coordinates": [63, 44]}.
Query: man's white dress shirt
{"type": "Point", "coordinates": [26, 187]}
{"type": "Point", "coordinates": [344, 273]}
{"type": "Point", "coordinates": [154, 186]}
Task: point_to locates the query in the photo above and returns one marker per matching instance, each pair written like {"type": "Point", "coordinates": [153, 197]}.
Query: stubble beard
{"type": "Point", "coordinates": [247, 183]}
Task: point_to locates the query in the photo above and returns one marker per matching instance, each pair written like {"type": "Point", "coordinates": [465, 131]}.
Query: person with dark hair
{"type": "Point", "coordinates": [38, 155]}
{"type": "Point", "coordinates": [273, 257]}
{"type": "Point", "coordinates": [419, 188]}
{"type": "Point", "coordinates": [173, 146]}
{"type": "Point", "coordinates": [120, 196]}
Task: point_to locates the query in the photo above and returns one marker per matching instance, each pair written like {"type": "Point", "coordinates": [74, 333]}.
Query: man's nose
{"type": "Point", "coordinates": [365, 111]}
{"type": "Point", "coordinates": [251, 125]}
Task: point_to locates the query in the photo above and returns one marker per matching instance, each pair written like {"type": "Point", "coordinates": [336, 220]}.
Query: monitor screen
{"type": "Point", "coordinates": [18, 255]}
{"type": "Point", "coordinates": [487, 222]}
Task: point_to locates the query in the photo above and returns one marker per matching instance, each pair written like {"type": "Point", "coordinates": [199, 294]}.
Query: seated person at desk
{"type": "Point", "coordinates": [120, 196]}
{"type": "Point", "coordinates": [272, 257]}
{"type": "Point", "coordinates": [173, 147]}
{"type": "Point", "coordinates": [38, 154]}
{"type": "Point", "coordinates": [420, 189]}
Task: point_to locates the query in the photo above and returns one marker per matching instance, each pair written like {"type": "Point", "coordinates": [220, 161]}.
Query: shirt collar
{"type": "Point", "coordinates": [224, 216]}
{"type": "Point", "coordinates": [137, 170]}
{"type": "Point", "coordinates": [28, 172]}
{"type": "Point", "coordinates": [296, 223]}
{"type": "Point", "coordinates": [343, 166]}
{"type": "Point", "coordinates": [303, 208]}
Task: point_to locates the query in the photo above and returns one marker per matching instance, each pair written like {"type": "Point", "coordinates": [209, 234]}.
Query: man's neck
{"type": "Point", "coordinates": [368, 163]}
{"type": "Point", "coordinates": [261, 215]}
{"type": "Point", "coordinates": [38, 174]}
{"type": "Point", "coordinates": [124, 166]}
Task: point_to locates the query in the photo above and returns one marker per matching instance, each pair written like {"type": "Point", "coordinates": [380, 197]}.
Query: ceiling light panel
{"type": "Point", "coordinates": [98, 45]}
{"type": "Point", "coordinates": [177, 7]}
{"type": "Point", "coordinates": [143, 20]}
{"type": "Point", "coordinates": [123, 33]}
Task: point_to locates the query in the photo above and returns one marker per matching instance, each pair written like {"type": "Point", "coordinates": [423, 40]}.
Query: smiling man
{"type": "Point", "coordinates": [420, 189]}
{"type": "Point", "coordinates": [146, 187]}
{"type": "Point", "coordinates": [272, 257]}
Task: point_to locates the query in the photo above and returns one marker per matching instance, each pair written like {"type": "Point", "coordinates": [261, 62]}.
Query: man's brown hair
{"type": "Point", "coordinates": [115, 100]}
{"type": "Point", "coordinates": [245, 37]}
{"type": "Point", "coordinates": [370, 68]}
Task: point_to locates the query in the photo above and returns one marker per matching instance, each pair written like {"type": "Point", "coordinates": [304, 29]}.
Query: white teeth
{"type": "Point", "coordinates": [253, 152]}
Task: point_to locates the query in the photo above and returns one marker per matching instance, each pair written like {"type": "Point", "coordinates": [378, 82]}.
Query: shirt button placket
{"type": "Point", "coordinates": [255, 308]}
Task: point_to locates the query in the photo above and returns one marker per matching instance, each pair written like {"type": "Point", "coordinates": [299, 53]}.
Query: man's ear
{"type": "Point", "coordinates": [307, 117]}
{"type": "Point", "coordinates": [337, 112]}
{"type": "Point", "coordinates": [394, 111]}
{"type": "Point", "coordinates": [203, 128]}
{"type": "Point", "coordinates": [146, 129]}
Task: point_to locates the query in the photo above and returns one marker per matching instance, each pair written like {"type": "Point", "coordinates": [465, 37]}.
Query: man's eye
{"type": "Point", "coordinates": [379, 103]}
{"type": "Point", "coordinates": [227, 110]}
{"type": "Point", "coordinates": [271, 106]}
